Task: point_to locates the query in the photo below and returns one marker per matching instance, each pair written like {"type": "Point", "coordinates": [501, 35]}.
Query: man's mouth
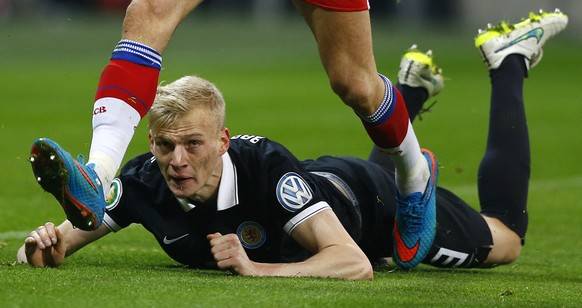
{"type": "Point", "coordinates": [180, 180]}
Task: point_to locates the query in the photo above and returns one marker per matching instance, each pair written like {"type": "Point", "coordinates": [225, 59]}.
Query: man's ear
{"type": "Point", "coordinates": [224, 140]}
{"type": "Point", "coordinates": [151, 137]}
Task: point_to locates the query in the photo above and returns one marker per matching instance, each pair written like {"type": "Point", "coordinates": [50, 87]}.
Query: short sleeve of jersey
{"type": "Point", "coordinates": [116, 216]}
{"type": "Point", "coordinates": [132, 188]}
{"type": "Point", "coordinates": [290, 193]}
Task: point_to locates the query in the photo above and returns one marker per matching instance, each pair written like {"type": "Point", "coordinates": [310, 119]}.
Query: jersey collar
{"type": "Point", "coordinates": [227, 190]}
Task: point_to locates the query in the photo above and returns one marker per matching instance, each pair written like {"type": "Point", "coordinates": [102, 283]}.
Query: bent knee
{"type": "Point", "coordinates": [506, 246]}
{"type": "Point", "coordinates": [362, 94]}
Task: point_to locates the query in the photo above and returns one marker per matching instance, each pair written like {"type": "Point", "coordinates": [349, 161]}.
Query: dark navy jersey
{"type": "Point", "coordinates": [265, 192]}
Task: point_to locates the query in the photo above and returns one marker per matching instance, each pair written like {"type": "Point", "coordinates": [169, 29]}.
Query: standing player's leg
{"type": "Point", "coordinates": [124, 95]}
{"type": "Point", "coordinates": [509, 51]}
{"type": "Point", "coordinates": [344, 39]}
{"type": "Point", "coordinates": [419, 79]}
{"type": "Point", "coordinates": [128, 84]}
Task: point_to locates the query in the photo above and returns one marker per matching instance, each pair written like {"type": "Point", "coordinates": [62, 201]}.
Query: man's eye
{"type": "Point", "coordinates": [164, 146]}
{"type": "Point", "coordinates": [193, 144]}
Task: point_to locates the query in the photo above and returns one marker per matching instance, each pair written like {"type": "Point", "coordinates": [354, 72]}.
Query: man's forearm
{"type": "Point", "coordinates": [340, 261]}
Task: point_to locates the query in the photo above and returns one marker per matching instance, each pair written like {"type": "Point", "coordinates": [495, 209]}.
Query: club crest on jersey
{"type": "Point", "coordinates": [114, 195]}
{"type": "Point", "coordinates": [251, 234]}
{"type": "Point", "coordinates": [293, 192]}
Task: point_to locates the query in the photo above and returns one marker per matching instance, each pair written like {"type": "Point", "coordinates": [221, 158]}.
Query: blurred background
{"type": "Point", "coordinates": [413, 13]}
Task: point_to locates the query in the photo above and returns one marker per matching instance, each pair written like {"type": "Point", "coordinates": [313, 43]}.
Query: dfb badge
{"type": "Point", "coordinates": [114, 195]}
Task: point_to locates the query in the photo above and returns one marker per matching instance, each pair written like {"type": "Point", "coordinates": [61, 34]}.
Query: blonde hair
{"type": "Point", "coordinates": [179, 98]}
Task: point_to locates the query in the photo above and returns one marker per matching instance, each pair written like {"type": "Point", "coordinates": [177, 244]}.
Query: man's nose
{"type": "Point", "coordinates": [178, 157]}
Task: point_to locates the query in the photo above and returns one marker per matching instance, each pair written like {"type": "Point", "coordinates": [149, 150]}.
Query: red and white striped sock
{"type": "Point", "coordinates": [391, 130]}
{"type": "Point", "coordinates": [125, 94]}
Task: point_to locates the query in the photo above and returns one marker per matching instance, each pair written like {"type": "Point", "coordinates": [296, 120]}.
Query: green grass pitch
{"type": "Point", "coordinates": [275, 86]}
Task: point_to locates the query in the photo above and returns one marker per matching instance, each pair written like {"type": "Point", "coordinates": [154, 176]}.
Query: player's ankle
{"type": "Point", "coordinates": [414, 179]}
{"type": "Point", "coordinates": [105, 168]}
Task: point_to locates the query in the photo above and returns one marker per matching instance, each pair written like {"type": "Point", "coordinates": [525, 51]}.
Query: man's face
{"type": "Point", "coordinates": [189, 155]}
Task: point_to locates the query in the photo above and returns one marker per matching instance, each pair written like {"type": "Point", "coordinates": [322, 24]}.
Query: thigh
{"type": "Point", "coordinates": [344, 39]}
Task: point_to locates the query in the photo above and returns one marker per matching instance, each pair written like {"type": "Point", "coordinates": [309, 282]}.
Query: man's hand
{"type": "Point", "coordinates": [45, 246]}
{"type": "Point", "coordinates": [335, 254]}
{"type": "Point", "coordinates": [229, 254]}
